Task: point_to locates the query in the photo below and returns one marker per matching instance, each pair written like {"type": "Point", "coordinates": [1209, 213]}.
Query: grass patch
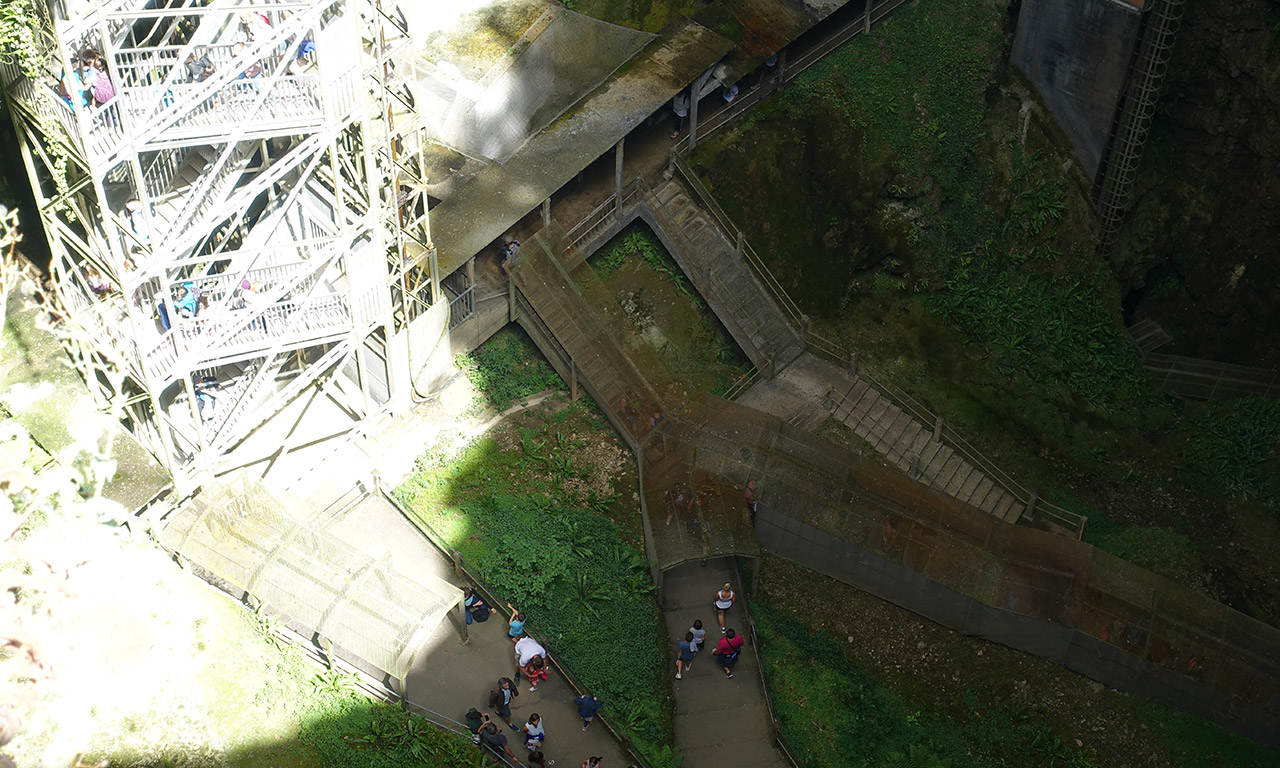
{"type": "Point", "coordinates": [1233, 449]}
{"type": "Point", "coordinates": [666, 311]}
{"type": "Point", "coordinates": [836, 714]}
{"type": "Point", "coordinates": [508, 368]}
{"type": "Point", "coordinates": [533, 508]}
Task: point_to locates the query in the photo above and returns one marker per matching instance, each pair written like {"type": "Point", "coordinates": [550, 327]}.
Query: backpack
{"type": "Point", "coordinates": [495, 698]}
{"type": "Point", "coordinates": [480, 613]}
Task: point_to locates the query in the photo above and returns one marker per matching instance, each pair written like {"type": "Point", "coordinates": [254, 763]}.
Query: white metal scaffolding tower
{"type": "Point", "coordinates": [236, 217]}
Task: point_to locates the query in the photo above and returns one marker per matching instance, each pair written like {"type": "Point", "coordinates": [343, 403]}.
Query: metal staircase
{"type": "Point", "coordinates": [244, 217]}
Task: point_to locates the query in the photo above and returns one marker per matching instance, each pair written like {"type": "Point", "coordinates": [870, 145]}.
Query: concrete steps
{"type": "Point", "coordinates": [909, 445]}
{"type": "Point", "coordinates": [723, 279]}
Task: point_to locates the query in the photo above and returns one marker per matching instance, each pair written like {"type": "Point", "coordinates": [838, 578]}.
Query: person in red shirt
{"type": "Point", "coordinates": [729, 647]}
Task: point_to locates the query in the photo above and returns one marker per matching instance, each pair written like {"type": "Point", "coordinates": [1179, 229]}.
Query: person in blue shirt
{"type": "Point", "coordinates": [515, 627]}
{"type": "Point", "coordinates": [587, 706]}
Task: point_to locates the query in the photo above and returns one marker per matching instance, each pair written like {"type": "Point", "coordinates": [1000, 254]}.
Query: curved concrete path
{"type": "Point", "coordinates": [720, 723]}
{"type": "Point", "coordinates": [448, 677]}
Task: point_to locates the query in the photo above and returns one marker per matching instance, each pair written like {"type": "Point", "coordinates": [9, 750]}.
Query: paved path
{"type": "Point", "coordinates": [720, 723]}
{"type": "Point", "coordinates": [448, 677]}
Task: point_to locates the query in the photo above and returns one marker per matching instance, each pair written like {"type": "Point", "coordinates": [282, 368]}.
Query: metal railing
{"type": "Point", "coordinates": [842, 356]}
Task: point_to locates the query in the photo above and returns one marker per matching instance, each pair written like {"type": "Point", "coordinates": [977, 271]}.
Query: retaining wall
{"type": "Point", "coordinates": [1077, 53]}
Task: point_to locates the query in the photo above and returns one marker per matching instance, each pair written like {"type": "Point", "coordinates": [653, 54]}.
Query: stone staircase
{"type": "Point", "coordinates": [722, 277]}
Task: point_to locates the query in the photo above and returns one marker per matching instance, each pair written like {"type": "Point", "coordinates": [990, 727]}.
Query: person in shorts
{"type": "Point", "coordinates": [728, 649]}
{"type": "Point", "coordinates": [684, 657]}
{"type": "Point", "coordinates": [500, 700]}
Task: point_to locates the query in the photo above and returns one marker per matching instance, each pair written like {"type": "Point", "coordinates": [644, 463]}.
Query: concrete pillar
{"type": "Point", "coordinates": [866, 18]}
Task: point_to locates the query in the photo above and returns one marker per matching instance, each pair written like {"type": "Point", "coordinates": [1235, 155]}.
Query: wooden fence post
{"type": "Point", "coordinates": [1031, 505]}
{"type": "Point", "coordinates": [456, 556]}
{"type": "Point", "coordinates": [866, 18]}
{"type": "Point", "coordinates": [573, 381]}
{"type": "Point", "coordinates": [853, 363]}
{"type": "Point", "coordinates": [937, 430]}
{"type": "Point", "coordinates": [742, 243]}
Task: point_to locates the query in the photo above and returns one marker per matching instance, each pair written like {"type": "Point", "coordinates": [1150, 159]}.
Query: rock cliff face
{"type": "Point", "coordinates": [1200, 249]}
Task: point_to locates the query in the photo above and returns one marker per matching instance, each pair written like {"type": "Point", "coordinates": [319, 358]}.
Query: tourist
{"type": "Point", "coordinates": [728, 650]}
{"type": "Point", "coordinates": [500, 700]}
{"type": "Point", "coordinates": [474, 607]}
{"type": "Point", "coordinates": [476, 720]}
{"type": "Point", "coordinates": [592, 762]}
{"type": "Point", "coordinates": [749, 496]}
{"type": "Point", "coordinates": [254, 26]}
{"type": "Point", "coordinates": [587, 706]}
{"type": "Point", "coordinates": [730, 93]}
{"type": "Point", "coordinates": [198, 68]}
{"type": "Point", "coordinates": [253, 70]}
{"type": "Point", "coordinates": [680, 106]}
{"type": "Point", "coordinates": [538, 760]}
{"type": "Point", "coordinates": [533, 732]}
{"type": "Point", "coordinates": [207, 397]}
{"type": "Point", "coordinates": [699, 635]}
{"type": "Point", "coordinates": [684, 659]}
{"type": "Point", "coordinates": [510, 250]}
{"type": "Point", "coordinates": [515, 627]}
{"type": "Point", "coordinates": [98, 82]}
{"type": "Point", "coordinates": [535, 670]}
{"type": "Point", "coordinates": [527, 648]}
{"type": "Point", "coordinates": [494, 739]}
{"type": "Point", "coordinates": [132, 213]}
{"type": "Point", "coordinates": [723, 602]}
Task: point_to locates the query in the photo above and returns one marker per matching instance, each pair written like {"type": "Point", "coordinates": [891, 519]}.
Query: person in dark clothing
{"type": "Point", "coordinates": [587, 706]}
{"type": "Point", "coordinates": [500, 700]}
{"type": "Point", "coordinates": [496, 740]}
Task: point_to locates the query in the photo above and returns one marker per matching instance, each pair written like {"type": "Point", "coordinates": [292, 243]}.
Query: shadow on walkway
{"type": "Point", "coordinates": [450, 678]}
{"type": "Point", "coordinates": [720, 723]}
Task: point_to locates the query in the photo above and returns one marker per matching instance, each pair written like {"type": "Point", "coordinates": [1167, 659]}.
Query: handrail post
{"type": "Point", "coordinates": [1031, 505]}
{"type": "Point", "coordinates": [866, 18]}
{"type": "Point", "coordinates": [853, 365]}
{"type": "Point", "coordinates": [937, 430]}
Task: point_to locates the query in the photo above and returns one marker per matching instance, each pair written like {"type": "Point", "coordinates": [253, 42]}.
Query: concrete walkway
{"type": "Point", "coordinates": [720, 723]}
{"type": "Point", "coordinates": [448, 677]}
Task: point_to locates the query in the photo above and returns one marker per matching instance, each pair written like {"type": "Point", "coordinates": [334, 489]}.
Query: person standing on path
{"type": "Point", "coordinates": [749, 497]}
{"type": "Point", "coordinates": [727, 650]}
{"type": "Point", "coordinates": [684, 659]}
{"type": "Point", "coordinates": [592, 762]}
{"type": "Point", "coordinates": [533, 732]}
{"type": "Point", "coordinates": [494, 739]}
{"type": "Point", "coordinates": [515, 627]}
{"type": "Point", "coordinates": [699, 635]}
{"type": "Point", "coordinates": [500, 700]}
{"type": "Point", "coordinates": [587, 706]}
{"type": "Point", "coordinates": [724, 601]}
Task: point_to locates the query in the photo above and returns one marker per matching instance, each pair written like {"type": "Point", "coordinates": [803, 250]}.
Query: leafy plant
{"type": "Point", "coordinates": [508, 368]}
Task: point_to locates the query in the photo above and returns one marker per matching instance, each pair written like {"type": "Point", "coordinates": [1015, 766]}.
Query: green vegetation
{"type": "Point", "coordinates": [1234, 448]}
{"type": "Point", "coordinates": [530, 508]}
{"type": "Point", "coordinates": [835, 714]}
{"type": "Point", "coordinates": [507, 368]}
{"type": "Point", "coordinates": [666, 311]}
{"type": "Point", "coordinates": [871, 684]}
{"type": "Point", "coordinates": [916, 201]}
